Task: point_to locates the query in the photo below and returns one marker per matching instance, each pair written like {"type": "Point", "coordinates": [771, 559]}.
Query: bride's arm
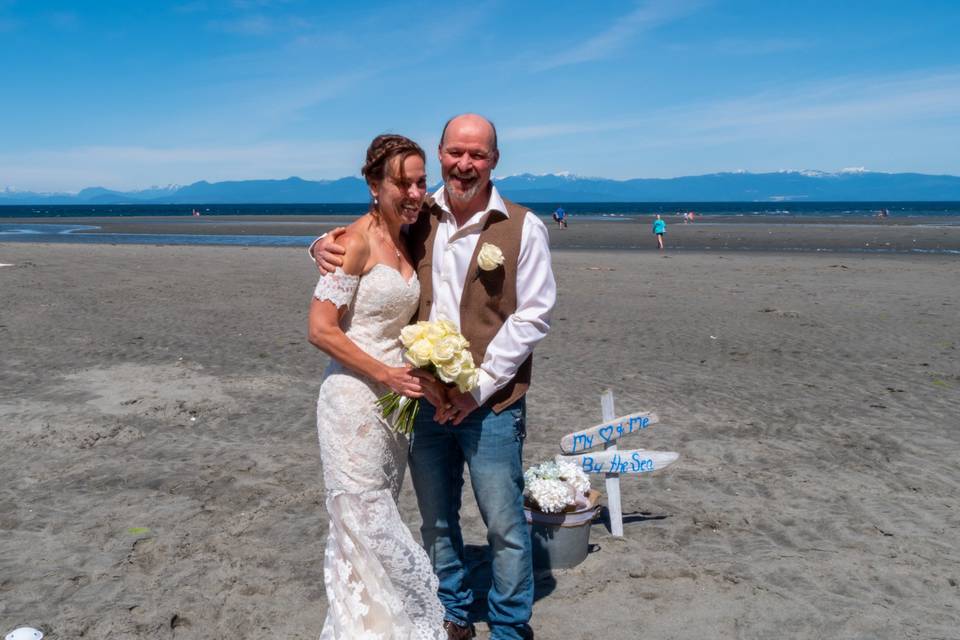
{"type": "Point", "coordinates": [324, 330]}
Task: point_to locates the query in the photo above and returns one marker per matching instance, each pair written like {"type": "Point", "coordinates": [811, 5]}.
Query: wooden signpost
{"type": "Point", "coordinates": [607, 431]}
{"type": "Point", "coordinates": [612, 461]}
{"type": "Point", "coordinates": [623, 461]}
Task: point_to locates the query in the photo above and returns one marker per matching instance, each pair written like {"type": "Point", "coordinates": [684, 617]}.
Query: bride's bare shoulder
{"type": "Point", "coordinates": [356, 246]}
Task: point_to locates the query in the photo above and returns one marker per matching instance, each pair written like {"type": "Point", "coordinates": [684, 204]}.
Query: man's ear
{"type": "Point", "coordinates": [496, 159]}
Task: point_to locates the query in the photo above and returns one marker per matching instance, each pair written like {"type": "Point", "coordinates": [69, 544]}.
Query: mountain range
{"type": "Point", "coordinates": [781, 186]}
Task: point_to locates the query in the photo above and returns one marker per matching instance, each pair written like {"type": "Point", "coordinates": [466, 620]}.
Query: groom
{"type": "Point", "coordinates": [504, 313]}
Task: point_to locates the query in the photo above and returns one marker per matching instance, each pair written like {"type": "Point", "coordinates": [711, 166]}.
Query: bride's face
{"type": "Point", "coordinates": [401, 193]}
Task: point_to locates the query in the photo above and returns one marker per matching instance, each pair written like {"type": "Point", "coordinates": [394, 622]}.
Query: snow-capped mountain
{"type": "Point", "coordinates": [851, 184]}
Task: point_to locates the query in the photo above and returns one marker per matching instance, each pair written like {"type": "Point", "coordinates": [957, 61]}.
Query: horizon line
{"type": "Point", "coordinates": [173, 187]}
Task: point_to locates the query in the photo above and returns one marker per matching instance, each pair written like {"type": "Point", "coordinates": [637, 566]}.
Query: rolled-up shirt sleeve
{"type": "Point", "coordinates": [528, 325]}
{"type": "Point", "coordinates": [312, 245]}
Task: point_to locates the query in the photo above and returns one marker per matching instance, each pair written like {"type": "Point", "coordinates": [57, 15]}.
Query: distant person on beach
{"type": "Point", "coordinates": [560, 216]}
{"type": "Point", "coordinates": [659, 228]}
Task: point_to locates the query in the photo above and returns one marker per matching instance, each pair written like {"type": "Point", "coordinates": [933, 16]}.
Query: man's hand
{"type": "Point", "coordinates": [463, 405]}
{"type": "Point", "coordinates": [433, 390]}
{"type": "Point", "coordinates": [436, 394]}
{"type": "Point", "coordinates": [327, 253]}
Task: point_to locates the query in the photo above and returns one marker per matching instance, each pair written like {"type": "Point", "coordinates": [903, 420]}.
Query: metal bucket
{"type": "Point", "coordinates": [561, 540]}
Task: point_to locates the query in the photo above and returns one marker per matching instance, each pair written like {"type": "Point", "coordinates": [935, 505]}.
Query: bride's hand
{"type": "Point", "coordinates": [400, 380]}
{"type": "Point", "coordinates": [433, 390]}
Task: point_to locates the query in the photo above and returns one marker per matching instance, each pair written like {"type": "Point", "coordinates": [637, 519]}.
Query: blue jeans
{"type": "Point", "coordinates": [492, 447]}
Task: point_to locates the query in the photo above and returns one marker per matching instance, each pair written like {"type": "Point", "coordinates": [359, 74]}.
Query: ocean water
{"type": "Point", "coordinates": [592, 210]}
{"type": "Point", "coordinates": [595, 210]}
{"type": "Point", "coordinates": [67, 233]}
{"type": "Point", "coordinates": [50, 231]}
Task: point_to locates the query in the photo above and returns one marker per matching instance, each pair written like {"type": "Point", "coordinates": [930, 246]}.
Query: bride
{"type": "Point", "coordinates": [379, 581]}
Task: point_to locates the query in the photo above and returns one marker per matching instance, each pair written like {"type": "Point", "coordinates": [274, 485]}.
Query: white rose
{"type": "Point", "coordinates": [449, 371]}
{"type": "Point", "coordinates": [448, 327]}
{"type": "Point", "coordinates": [435, 332]}
{"type": "Point", "coordinates": [444, 350]}
{"type": "Point", "coordinates": [419, 353]}
{"type": "Point", "coordinates": [490, 257]}
{"type": "Point", "coordinates": [411, 333]}
{"type": "Point", "coordinates": [469, 376]}
{"type": "Point", "coordinates": [468, 379]}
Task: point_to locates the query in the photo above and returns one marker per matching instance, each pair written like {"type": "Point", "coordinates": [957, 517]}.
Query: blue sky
{"type": "Point", "coordinates": [127, 95]}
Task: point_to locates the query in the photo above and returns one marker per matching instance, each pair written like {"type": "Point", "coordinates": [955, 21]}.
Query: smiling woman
{"type": "Point", "coordinates": [379, 581]}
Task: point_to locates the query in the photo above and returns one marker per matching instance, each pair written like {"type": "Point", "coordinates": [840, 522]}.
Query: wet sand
{"type": "Point", "coordinates": [160, 475]}
{"type": "Point", "coordinates": [713, 233]}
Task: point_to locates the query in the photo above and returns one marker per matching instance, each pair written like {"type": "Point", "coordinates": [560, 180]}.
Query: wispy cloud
{"type": "Point", "coordinates": [540, 131]}
{"type": "Point", "coordinates": [198, 6]}
{"type": "Point", "coordinates": [259, 25]}
{"type": "Point", "coordinates": [289, 80]}
{"type": "Point", "coordinates": [890, 123]}
{"type": "Point", "coordinates": [910, 99]}
{"type": "Point", "coordinates": [646, 17]}
{"type": "Point", "coordinates": [59, 20]}
{"type": "Point", "coordinates": [306, 94]}
{"type": "Point", "coordinates": [746, 47]}
{"type": "Point", "coordinates": [133, 167]}
{"type": "Point", "coordinates": [257, 4]}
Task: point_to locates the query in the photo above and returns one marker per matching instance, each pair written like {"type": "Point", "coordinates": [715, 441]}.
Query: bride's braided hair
{"type": "Point", "coordinates": [381, 152]}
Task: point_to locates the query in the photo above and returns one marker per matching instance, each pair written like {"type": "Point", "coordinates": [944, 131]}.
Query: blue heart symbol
{"type": "Point", "coordinates": [606, 432]}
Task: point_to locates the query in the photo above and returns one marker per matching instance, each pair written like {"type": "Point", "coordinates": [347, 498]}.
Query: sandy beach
{"type": "Point", "coordinates": [160, 475]}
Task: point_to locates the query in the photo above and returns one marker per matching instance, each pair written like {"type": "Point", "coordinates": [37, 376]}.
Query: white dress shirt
{"type": "Point", "coordinates": [453, 249]}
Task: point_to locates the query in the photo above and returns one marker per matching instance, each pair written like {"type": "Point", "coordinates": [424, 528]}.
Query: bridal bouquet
{"type": "Point", "coordinates": [555, 485]}
{"type": "Point", "coordinates": [437, 347]}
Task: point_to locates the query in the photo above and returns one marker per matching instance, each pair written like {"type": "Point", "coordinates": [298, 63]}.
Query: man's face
{"type": "Point", "coordinates": [467, 158]}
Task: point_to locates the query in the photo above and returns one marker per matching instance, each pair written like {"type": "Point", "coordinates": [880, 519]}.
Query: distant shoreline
{"type": "Point", "coordinates": [744, 210]}
{"type": "Point", "coordinates": [918, 235]}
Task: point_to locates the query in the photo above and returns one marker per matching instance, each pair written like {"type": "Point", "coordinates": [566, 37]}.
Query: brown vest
{"type": "Point", "coordinates": [489, 297]}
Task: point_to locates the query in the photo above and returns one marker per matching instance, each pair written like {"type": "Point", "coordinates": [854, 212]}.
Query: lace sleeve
{"type": "Point", "coordinates": [337, 287]}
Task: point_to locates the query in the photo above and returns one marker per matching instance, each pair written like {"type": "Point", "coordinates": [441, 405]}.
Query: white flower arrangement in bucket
{"type": "Point", "coordinates": [559, 506]}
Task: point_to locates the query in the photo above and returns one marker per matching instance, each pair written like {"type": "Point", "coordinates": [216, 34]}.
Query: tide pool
{"type": "Point", "coordinates": [68, 233]}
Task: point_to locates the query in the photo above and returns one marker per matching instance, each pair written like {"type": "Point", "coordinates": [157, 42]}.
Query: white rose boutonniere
{"type": "Point", "coordinates": [490, 257]}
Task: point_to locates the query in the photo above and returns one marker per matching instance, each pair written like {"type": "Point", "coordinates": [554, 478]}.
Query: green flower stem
{"type": "Point", "coordinates": [401, 409]}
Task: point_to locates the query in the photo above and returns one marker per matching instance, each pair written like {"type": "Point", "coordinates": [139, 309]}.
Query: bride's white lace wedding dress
{"type": "Point", "coordinates": [379, 582]}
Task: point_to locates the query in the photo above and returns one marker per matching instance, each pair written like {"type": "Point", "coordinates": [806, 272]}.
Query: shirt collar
{"type": "Point", "coordinates": [495, 203]}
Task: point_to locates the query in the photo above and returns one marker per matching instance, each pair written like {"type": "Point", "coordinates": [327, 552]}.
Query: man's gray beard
{"type": "Point", "coordinates": [464, 196]}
